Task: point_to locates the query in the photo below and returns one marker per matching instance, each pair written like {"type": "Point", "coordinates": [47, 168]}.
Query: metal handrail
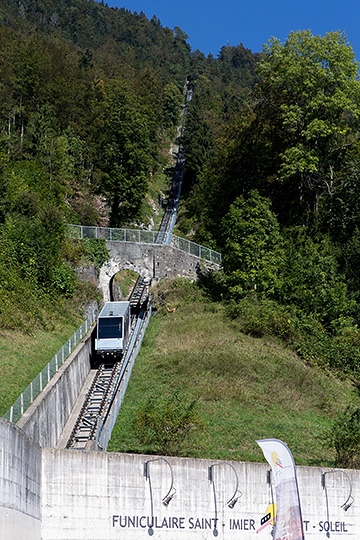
{"type": "Point", "coordinates": [142, 236]}
{"type": "Point", "coordinates": [36, 386]}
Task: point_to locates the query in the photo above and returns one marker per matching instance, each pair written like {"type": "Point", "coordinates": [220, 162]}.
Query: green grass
{"type": "Point", "coordinates": [23, 356]}
{"type": "Point", "coordinates": [33, 328]}
{"type": "Point", "coordinates": [126, 280]}
{"type": "Point", "coordinates": [247, 388]}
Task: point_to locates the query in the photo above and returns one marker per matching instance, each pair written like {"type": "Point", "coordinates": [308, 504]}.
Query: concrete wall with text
{"type": "Point", "coordinates": [105, 496]}
{"type": "Point", "coordinates": [51, 494]}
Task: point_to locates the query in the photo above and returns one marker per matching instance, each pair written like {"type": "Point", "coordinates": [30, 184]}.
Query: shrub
{"type": "Point", "coordinates": [65, 280]}
{"type": "Point", "coordinates": [263, 317]}
{"type": "Point", "coordinates": [259, 316]}
{"type": "Point", "coordinates": [165, 423]}
{"type": "Point", "coordinates": [96, 251]}
{"type": "Point", "coordinates": [345, 438]}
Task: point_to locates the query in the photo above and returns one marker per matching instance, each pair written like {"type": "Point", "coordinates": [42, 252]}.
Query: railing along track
{"type": "Point", "coordinates": [106, 381]}
{"type": "Point", "coordinates": [95, 406]}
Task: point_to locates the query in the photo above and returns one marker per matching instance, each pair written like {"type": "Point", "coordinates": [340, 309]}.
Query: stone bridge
{"type": "Point", "coordinates": [138, 250]}
{"type": "Point", "coordinates": [152, 262]}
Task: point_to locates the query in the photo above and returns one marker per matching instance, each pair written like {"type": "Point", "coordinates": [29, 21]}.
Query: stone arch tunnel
{"type": "Point", "coordinates": [152, 262]}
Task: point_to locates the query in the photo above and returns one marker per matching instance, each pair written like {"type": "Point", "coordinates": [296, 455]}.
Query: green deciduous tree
{"type": "Point", "coordinates": [345, 438]}
{"type": "Point", "coordinates": [125, 155]}
{"type": "Point", "coordinates": [253, 253]}
{"type": "Point", "coordinates": [308, 108]}
{"type": "Point", "coordinates": [173, 99]}
{"type": "Point", "coordinates": [312, 279]}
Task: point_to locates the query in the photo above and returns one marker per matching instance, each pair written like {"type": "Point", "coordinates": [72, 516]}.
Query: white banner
{"type": "Point", "coordinates": [288, 524]}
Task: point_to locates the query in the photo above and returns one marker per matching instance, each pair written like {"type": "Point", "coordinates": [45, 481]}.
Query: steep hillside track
{"type": "Point", "coordinates": [106, 380]}
{"type": "Point", "coordinates": [169, 217]}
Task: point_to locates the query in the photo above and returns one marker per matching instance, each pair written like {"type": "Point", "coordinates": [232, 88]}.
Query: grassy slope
{"type": "Point", "coordinates": [22, 356]}
{"type": "Point", "coordinates": [247, 388]}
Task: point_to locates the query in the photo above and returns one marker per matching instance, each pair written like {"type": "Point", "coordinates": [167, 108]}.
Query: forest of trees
{"type": "Point", "coordinates": [89, 101]}
{"type": "Point", "coordinates": [273, 183]}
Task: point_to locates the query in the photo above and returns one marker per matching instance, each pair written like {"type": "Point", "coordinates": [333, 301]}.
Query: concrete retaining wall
{"type": "Point", "coordinates": [20, 484]}
{"type": "Point", "coordinates": [53, 494]}
{"type": "Point", "coordinates": [46, 417]}
{"type": "Point", "coordinates": [105, 496]}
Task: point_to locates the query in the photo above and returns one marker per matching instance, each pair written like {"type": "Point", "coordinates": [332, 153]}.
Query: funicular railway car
{"type": "Point", "coordinates": [113, 329]}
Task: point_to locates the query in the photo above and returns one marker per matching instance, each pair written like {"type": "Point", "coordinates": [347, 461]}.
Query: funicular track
{"type": "Point", "coordinates": [106, 382]}
{"type": "Point", "coordinates": [168, 220]}
{"type": "Point", "coordinates": [96, 405]}
{"type": "Point", "coordinates": [100, 397]}
{"type": "Point", "coordinates": [139, 295]}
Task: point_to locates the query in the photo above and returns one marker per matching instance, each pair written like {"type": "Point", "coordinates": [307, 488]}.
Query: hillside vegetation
{"type": "Point", "coordinates": [90, 98]}
{"type": "Point", "coordinates": [241, 387]}
{"type": "Point", "coordinates": [90, 103]}
{"type": "Point", "coordinates": [277, 191]}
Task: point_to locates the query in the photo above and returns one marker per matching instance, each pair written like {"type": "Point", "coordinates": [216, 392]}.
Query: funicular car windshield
{"type": "Point", "coordinates": [110, 327]}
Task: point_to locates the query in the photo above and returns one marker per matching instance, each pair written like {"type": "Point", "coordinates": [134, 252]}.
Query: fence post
{"type": "Point", "coordinates": [11, 413]}
{"type": "Point", "coordinates": [56, 362]}
{"type": "Point", "coordinates": [22, 404]}
{"type": "Point", "coordinates": [41, 386]}
{"type": "Point", "coordinates": [31, 392]}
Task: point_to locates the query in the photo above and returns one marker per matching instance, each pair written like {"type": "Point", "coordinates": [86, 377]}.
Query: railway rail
{"type": "Point", "coordinates": [139, 295]}
{"type": "Point", "coordinates": [96, 405]}
{"type": "Point", "coordinates": [106, 382]}
{"type": "Point", "coordinates": [169, 217]}
{"type": "Point", "coordinates": [168, 221]}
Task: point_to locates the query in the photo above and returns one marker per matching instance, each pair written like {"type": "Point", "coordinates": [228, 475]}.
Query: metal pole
{"type": "Point", "coordinates": [121, 284]}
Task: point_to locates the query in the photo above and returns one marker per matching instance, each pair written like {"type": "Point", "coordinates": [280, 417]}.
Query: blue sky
{"type": "Point", "coordinates": [210, 24]}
